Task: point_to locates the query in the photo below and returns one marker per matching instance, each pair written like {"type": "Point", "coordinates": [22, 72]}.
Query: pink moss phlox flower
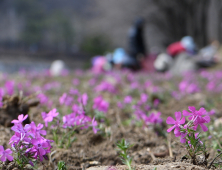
{"type": "Point", "coordinates": [196, 137]}
{"type": "Point", "coordinates": [62, 99]}
{"type": "Point", "coordinates": [188, 87]}
{"type": "Point", "coordinates": [9, 85]}
{"type": "Point", "coordinates": [73, 91]}
{"type": "Point", "coordinates": [196, 116]}
{"type": "Point", "coordinates": [100, 104]}
{"type": "Point", "coordinates": [193, 88]}
{"type": "Point", "coordinates": [94, 124]}
{"type": "Point", "coordinates": [77, 109]}
{"type": "Point", "coordinates": [84, 99]}
{"type": "Point", "coordinates": [176, 122]}
{"type": "Point", "coordinates": [134, 85]}
{"type": "Point", "coordinates": [51, 85]}
{"type": "Point", "coordinates": [17, 137]}
{"type": "Point", "coordinates": [128, 99]}
{"type": "Point", "coordinates": [152, 119]}
{"type": "Point", "coordinates": [211, 86]}
{"type": "Point", "coordinates": [211, 112]}
{"type": "Point", "coordinates": [40, 147]}
{"type": "Point", "coordinates": [143, 98]}
{"type": "Point", "coordinates": [20, 129]}
{"type": "Point", "coordinates": [43, 98]}
{"type": "Point", "coordinates": [37, 130]}
{"type": "Point", "coordinates": [5, 154]}
{"type": "Point", "coordinates": [182, 134]}
{"type": "Point", "coordinates": [183, 137]}
{"type": "Point", "coordinates": [75, 119]}
{"type": "Point", "coordinates": [21, 118]}
{"type": "Point", "coordinates": [69, 120]}
{"type": "Point", "coordinates": [2, 92]}
{"type": "Point", "coordinates": [155, 118]}
{"type": "Point", "coordinates": [65, 99]}
{"type": "Point", "coordinates": [156, 102]}
{"type": "Point", "coordinates": [49, 117]}
{"type": "Point", "coordinates": [106, 86]}
{"type": "Point", "coordinates": [176, 95]}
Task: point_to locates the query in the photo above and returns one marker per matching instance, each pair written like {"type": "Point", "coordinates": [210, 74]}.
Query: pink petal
{"type": "Point", "coordinates": [192, 108]}
{"type": "Point", "coordinates": [3, 158]}
{"type": "Point", "coordinates": [204, 128]}
{"type": "Point", "coordinates": [25, 117]}
{"type": "Point", "coordinates": [178, 115]}
{"type": "Point", "coordinates": [182, 121]}
{"type": "Point", "coordinates": [35, 142]}
{"type": "Point", "coordinates": [42, 151]}
{"type": "Point", "coordinates": [8, 151]}
{"type": "Point", "coordinates": [177, 132]}
{"type": "Point", "coordinates": [207, 118]}
{"type": "Point", "coordinates": [202, 111]}
{"type": "Point", "coordinates": [2, 149]}
{"type": "Point", "coordinates": [43, 132]}
{"type": "Point", "coordinates": [20, 117]}
{"type": "Point", "coordinates": [84, 99]}
{"type": "Point", "coordinates": [183, 140]}
{"type": "Point", "coordinates": [15, 121]}
{"type": "Point", "coordinates": [43, 115]}
{"type": "Point", "coordinates": [196, 135]}
{"type": "Point", "coordinates": [171, 128]}
{"type": "Point", "coordinates": [186, 113]}
{"type": "Point", "coordinates": [55, 114]}
{"type": "Point", "coordinates": [9, 157]}
{"type": "Point", "coordinates": [170, 120]}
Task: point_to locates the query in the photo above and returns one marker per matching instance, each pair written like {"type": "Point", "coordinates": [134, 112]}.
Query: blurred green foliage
{"type": "Point", "coordinates": [96, 45]}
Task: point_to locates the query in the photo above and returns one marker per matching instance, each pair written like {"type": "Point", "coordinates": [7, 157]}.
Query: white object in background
{"type": "Point", "coordinates": [57, 67]}
{"type": "Point", "coordinates": [163, 62]}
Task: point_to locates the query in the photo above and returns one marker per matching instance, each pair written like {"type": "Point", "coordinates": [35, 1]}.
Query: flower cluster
{"type": "Point", "coordinates": [100, 104]}
{"type": "Point", "coordinates": [28, 142]}
{"type": "Point", "coordinates": [196, 118]}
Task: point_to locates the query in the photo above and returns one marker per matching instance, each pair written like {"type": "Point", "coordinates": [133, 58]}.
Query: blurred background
{"type": "Point", "coordinates": [40, 31]}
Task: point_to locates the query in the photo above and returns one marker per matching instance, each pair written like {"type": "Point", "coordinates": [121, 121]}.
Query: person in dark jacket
{"type": "Point", "coordinates": [136, 44]}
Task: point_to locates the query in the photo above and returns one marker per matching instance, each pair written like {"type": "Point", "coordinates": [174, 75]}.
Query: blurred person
{"type": "Point", "coordinates": [208, 56]}
{"type": "Point", "coordinates": [136, 44]}
{"type": "Point", "coordinates": [186, 44]}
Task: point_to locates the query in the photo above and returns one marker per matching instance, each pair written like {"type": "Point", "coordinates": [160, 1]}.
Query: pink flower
{"type": "Point", "coordinates": [5, 154]}
{"type": "Point", "coordinates": [73, 91]}
{"type": "Point", "coordinates": [9, 85]}
{"type": "Point", "coordinates": [37, 130]}
{"type": "Point", "coordinates": [40, 147]}
{"type": "Point", "coordinates": [94, 124]}
{"type": "Point", "coordinates": [196, 117]}
{"type": "Point", "coordinates": [84, 99]}
{"type": "Point", "coordinates": [100, 104]}
{"type": "Point", "coordinates": [49, 117]}
{"type": "Point", "coordinates": [176, 122]}
{"type": "Point", "coordinates": [21, 118]}
{"type": "Point", "coordinates": [128, 99]}
{"type": "Point", "coordinates": [155, 118]}
{"type": "Point", "coordinates": [43, 98]}
{"type": "Point", "coordinates": [62, 99]}
{"type": "Point", "coordinates": [143, 98]}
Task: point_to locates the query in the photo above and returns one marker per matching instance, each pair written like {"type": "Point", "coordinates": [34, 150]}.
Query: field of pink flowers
{"type": "Point", "coordinates": [74, 121]}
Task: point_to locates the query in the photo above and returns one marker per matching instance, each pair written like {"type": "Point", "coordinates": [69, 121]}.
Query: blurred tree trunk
{"type": "Point", "coordinates": [181, 18]}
